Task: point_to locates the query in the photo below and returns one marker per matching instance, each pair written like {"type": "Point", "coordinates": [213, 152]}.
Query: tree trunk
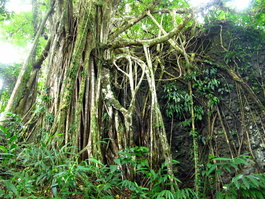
{"type": "Point", "coordinates": [89, 96]}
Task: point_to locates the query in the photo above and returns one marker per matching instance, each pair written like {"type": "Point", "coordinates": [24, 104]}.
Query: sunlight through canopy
{"type": "Point", "coordinates": [236, 4]}
{"type": "Point", "coordinates": [9, 53]}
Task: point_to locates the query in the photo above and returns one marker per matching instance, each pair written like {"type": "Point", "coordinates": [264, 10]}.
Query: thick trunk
{"type": "Point", "coordinates": [89, 96]}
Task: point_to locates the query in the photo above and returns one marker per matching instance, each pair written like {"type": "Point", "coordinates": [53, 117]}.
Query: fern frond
{"type": "Point", "coordinates": [246, 186]}
{"type": "Point", "coordinates": [185, 194]}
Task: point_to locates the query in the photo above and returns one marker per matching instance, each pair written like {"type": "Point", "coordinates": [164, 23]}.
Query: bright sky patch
{"type": "Point", "coordinates": [237, 4]}
{"type": "Point", "coordinates": [19, 5]}
{"type": "Point", "coordinates": [9, 54]}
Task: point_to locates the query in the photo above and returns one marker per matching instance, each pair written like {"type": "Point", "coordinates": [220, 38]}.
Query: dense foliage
{"type": "Point", "coordinates": [35, 171]}
{"type": "Point", "coordinates": [134, 99]}
{"type": "Point", "coordinates": [8, 74]}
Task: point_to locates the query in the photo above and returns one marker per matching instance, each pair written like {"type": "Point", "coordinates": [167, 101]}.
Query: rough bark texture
{"type": "Point", "coordinates": [105, 91]}
{"type": "Point", "coordinates": [90, 92]}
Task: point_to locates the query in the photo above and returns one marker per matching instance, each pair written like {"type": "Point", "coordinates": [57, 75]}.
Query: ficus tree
{"type": "Point", "coordinates": [94, 85]}
{"type": "Point", "coordinates": [98, 58]}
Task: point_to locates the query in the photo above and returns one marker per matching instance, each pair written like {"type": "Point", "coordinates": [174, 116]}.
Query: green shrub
{"type": "Point", "coordinates": [40, 171]}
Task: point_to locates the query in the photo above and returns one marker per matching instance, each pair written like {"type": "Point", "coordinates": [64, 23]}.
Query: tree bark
{"type": "Point", "coordinates": [89, 91]}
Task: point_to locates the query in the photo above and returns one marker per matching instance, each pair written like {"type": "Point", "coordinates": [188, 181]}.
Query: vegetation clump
{"type": "Point", "coordinates": [134, 99]}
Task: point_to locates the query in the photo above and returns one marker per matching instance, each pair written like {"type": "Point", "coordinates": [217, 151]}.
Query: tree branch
{"type": "Point", "coordinates": [26, 63]}
{"type": "Point", "coordinates": [150, 42]}
{"type": "Point", "coordinates": [43, 55]}
{"type": "Point", "coordinates": [133, 21]}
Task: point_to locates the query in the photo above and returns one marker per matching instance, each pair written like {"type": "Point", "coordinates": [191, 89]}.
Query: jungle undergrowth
{"type": "Point", "coordinates": [39, 171]}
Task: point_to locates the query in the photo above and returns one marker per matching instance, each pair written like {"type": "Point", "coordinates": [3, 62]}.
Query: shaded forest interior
{"type": "Point", "coordinates": [100, 114]}
{"type": "Point", "coordinates": [228, 89]}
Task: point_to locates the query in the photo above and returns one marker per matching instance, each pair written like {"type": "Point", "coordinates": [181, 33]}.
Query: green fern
{"type": "Point", "coordinates": [244, 186]}
{"type": "Point", "coordinates": [165, 194]}
{"type": "Point", "coordinates": [185, 194]}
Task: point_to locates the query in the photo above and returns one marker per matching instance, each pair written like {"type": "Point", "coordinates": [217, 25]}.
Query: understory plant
{"type": "Point", "coordinates": [240, 186]}
{"type": "Point", "coordinates": [40, 171]}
